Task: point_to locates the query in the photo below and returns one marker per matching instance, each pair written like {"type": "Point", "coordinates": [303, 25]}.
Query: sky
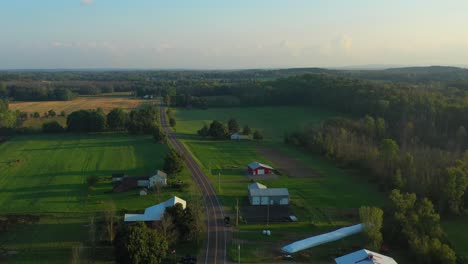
{"type": "Point", "coordinates": [226, 34]}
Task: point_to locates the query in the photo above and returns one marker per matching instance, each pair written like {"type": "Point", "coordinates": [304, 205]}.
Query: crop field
{"type": "Point", "coordinates": [45, 176]}
{"type": "Point", "coordinates": [107, 103]}
{"type": "Point", "coordinates": [323, 196]}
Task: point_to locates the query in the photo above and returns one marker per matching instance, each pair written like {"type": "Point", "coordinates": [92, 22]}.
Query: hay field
{"type": "Point", "coordinates": [106, 103]}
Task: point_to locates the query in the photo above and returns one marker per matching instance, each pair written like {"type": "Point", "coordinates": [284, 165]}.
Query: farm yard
{"type": "Point", "coordinates": [323, 197]}
{"type": "Point", "coordinates": [44, 178]}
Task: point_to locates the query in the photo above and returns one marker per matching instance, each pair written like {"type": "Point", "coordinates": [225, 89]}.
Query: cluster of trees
{"type": "Point", "coordinates": [33, 93]}
{"type": "Point", "coordinates": [218, 130]}
{"type": "Point", "coordinates": [142, 121]}
{"type": "Point", "coordinates": [7, 118]}
{"type": "Point", "coordinates": [438, 174]}
{"type": "Point", "coordinates": [172, 120]}
{"type": "Point", "coordinates": [413, 223]}
{"type": "Point", "coordinates": [173, 162]}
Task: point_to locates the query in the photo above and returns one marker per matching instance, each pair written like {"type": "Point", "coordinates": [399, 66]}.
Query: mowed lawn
{"type": "Point", "coordinates": [322, 203]}
{"type": "Point", "coordinates": [273, 122]}
{"type": "Point", "coordinates": [49, 180]}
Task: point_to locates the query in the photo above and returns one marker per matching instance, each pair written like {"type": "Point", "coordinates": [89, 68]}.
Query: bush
{"type": "Point", "coordinates": [52, 127]}
{"type": "Point", "coordinates": [92, 180]}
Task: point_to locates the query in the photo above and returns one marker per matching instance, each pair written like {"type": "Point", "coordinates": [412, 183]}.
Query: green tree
{"type": "Point", "coordinates": [246, 130]}
{"type": "Point", "coordinates": [159, 135]}
{"type": "Point", "coordinates": [369, 125]}
{"type": "Point", "coordinates": [204, 131]}
{"type": "Point", "coordinates": [372, 218]}
{"type": "Point", "coordinates": [173, 162]}
{"type": "Point", "coordinates": [218, 130]}
{"type": "Point", "coordinates": [51, 113]}
{"type": "Point", "coordinates": [137, 244]}
{"type": "Point", "coordinates": [233, 126]}
{"type": "Point", "coordinates": [456, 184]}
{"type": "Point", "coordinates": [52, 127]}
{"type": "Point", "coordinates": [172, 121]}
{"type": "Point", "coordinates": [116, 119]}
{"type": "Point", "coordinates": [381, 127]}
{"type": "Point", "coordinates": [257, 135]}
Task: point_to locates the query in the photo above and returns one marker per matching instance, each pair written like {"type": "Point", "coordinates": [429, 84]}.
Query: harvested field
{"type": "Point", "coordinates": [106, 103]}
{"type": "Point", "coordinates": [286, 164]}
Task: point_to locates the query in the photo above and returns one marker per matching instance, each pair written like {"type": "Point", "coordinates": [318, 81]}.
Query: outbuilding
{"type": "Point", "coordinates": [269, 196]}
{"type": "Point", "coordinates": [365, 256]}
{"type": "Point", "coordinates": [144, 192]}
{"type": "Point", "coordinates": [239, 136]}
{"type": "Point", "coordinates": [257, 168]}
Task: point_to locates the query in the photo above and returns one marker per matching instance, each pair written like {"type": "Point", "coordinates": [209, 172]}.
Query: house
{"type": "Point", "coordinates": [239, 136]}
{"type": "Point", "coordinates": [259, 194]}
{"type": "Point", "coordinates": [155, 212]}
{"type": "Point", "coordinates": [144, 192]}
{"type": "Point", "coordinates": [159, 177]}
{"type": "Point", "coordinates": [118, 177]}
{"type": "Point", "coordinates": [365, 256]}
{"type": "Point", "coordinates": [257, 168]}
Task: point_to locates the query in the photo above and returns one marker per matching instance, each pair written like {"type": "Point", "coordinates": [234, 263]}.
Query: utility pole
{"type": "Point", "coordinates": [237, 213]}
{"type": "Point", "coordinates": [219, 182]}
{"type": "Point", "coordinates": [268, 213]}
{"type": "Point", "coordinates": [238, 251]}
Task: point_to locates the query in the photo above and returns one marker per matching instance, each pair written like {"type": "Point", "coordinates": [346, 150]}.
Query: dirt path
{"type": "Point", "coordinates": [286, 164]}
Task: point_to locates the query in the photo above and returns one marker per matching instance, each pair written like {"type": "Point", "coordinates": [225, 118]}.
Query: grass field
{"type": "Point", "coordinates": [273, 122]}
{"type": "Point", "coordinates": [49, 181]}
{"type": "Point", "coordinates": [321, 203]}
{"type": "Point", "coordinates": [107, 103]}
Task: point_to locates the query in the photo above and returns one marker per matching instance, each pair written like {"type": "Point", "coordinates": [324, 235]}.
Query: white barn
{"type": "Point", "coordinates": [365, 256]}
{"type": "Point", "coordinates": [259, 194]}
{"type": "Point", "coordinates": [155, 212]}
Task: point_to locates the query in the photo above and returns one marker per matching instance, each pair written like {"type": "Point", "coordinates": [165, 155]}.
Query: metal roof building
{"type": "Point", "coordinates": [155, 212]}
{"type": "Point", "coordinates": [365, 256]}
{"type": "Point", "coordinates": [268, 196]}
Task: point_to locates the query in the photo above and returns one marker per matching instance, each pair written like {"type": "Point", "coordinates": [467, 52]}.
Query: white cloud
{"type": "Point", "coordinates": [87, 2]}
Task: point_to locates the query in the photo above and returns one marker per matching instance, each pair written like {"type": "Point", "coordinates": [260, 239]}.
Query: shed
{"type": "Point", "coordinates": [257, 168]}
{"type": "Point", "coordinates": [365, 256]}
{"type": "Point", "coordinates": [155, 212]}
{"type": "Point", "coordinates": [256, 185]}
{"type": "Point", "coordinates": [269, 196]}
{"type": "Point", "coordinates": [159, 177]}
{"type": "Point", "coordinates": [143, 192]}
{"type": "Point", "coordinates": [118, 177]}
{"type": "Point", "coordinates": [238, 136]}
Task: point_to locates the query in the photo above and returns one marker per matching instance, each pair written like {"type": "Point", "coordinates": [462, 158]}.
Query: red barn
{"type": "Point", "coordinates": [257, 168]}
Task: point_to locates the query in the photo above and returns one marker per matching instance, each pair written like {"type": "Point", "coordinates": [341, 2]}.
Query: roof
{"type": "Point", "coordinates": [161, 173]}
{"type": "Point", "coordinates": [255, 165]}
{"type": "Point", "coordinates": [117, 175]}
{"type": "Point", "coordinates": [365, 256]}
{"type": "Point", "coordinates": [155, 212]}
{"type": "Point", "coordinates": [269, 192]}
{"type": "Point", "coordinates": [322, 239]}
{"type": "Point", "coordinates": [256, 185]}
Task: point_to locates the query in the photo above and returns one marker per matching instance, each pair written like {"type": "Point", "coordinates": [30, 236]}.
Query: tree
{"type": "Point", "coordinates": [204, 131]}
{"type": "Point", "coordinates": [233, 126]}
{"type": "Point", "coordinates": [159, 135]}
{"type": "Point", "coordinates": [116, 119]}
{"type": "Point", "coordinates": [172, 121]}
{"type": "Point", "coordinates": [36, 115]}
{"type": "Point", "coordinates": [218, 130]}
{"type": "Point", "coordinates": [137, 244]}
{"type": "Point", "coordinates": [372, 218]}
{"type": "Point", "coordinates": [51, 113]}
{"type": "Point", "coordinates": [246, 130]}
{"type": "Point", "coordinates": [109, 215]}
{"type": "Point", "coordinates": [63, 114]}
{"type": "Point", "coordinates": [52, 127]}
{"type": "Point", "coordinates": [173, 162]}
{"type": "Point", "coordinates": [257, 135]}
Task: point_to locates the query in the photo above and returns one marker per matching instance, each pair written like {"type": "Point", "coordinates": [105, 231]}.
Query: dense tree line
{"type": "Point", "coordinates": [8, 118]}
{"type": "Point", "coordinates": [22, 93]}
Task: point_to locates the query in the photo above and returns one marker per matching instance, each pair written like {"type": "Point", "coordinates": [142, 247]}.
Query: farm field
{"type": "Point", "coordinates": [45, 176]}
{"type": "Point", "coordinates": [107, 103]}
{"type": "Point", "coordinates": [323, 198]}
{"type": "Point", "coordinates": [273, 122]}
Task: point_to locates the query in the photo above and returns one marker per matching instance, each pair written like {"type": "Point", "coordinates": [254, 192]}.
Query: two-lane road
{"type": "Point", "coordinates": [215, 249]}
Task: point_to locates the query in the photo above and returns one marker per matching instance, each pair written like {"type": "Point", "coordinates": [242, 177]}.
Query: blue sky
{"type": "Point", "coordinates": [210, 34]}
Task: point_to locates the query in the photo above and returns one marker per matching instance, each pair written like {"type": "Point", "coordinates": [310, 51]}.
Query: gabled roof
{"type": "Point", "coordinates": [269, 192]}
{"type": "Point", "coordinates": [256, 185]}
{"type": "Point", "coordinates": [255, 165]}
{"type": "Point", "coordinates": [155, 212]}
{"type": "Point", "coordinates": [161, 173]}
{"type": "Point", "coordinates": [364, 256]}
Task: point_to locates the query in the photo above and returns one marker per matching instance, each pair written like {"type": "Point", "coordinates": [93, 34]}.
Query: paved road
{"type": "Point", "coordinates": [215, 249]}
